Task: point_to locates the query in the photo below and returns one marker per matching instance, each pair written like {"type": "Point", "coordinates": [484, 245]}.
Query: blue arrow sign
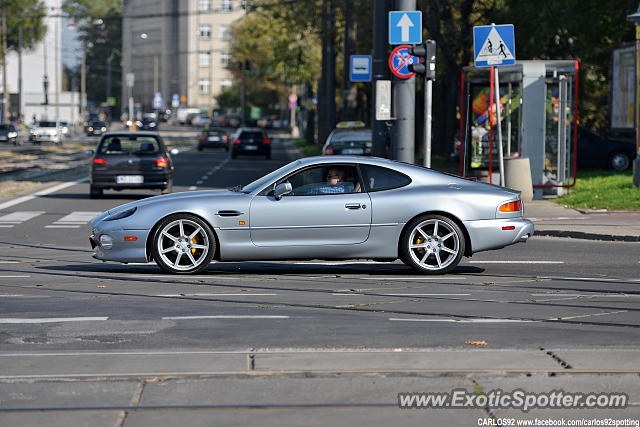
{"type": "Point", "coordinates": [360, 68]}
{"type": "Point", "coordinates": [494, 45]}
{"type": "Point", "coordinates": [405, 27]}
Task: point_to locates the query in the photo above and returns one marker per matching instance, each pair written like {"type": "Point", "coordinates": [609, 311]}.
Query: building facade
{"type": "Point", "coordinates": [178, 48]}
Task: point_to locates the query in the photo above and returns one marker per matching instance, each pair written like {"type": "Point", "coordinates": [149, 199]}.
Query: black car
{"type": "Point", "coordinates": [213, 138]}
{"type": "Point", "coordinates": [597, 151]}
{"type": "Point", "coordinates": [250, 141]}
{"type": "Point", "coordinates": [96, 128]}
{"type": "Point", "coordinates": [8, 133]}
{"type": "Point", "coordinates": [147, 123]}
{"type": "Point", "coordinates": [131, 160]}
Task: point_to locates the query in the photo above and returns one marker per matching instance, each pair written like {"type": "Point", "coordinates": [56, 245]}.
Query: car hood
{"type": "Point", "coordinates": [173, 197]}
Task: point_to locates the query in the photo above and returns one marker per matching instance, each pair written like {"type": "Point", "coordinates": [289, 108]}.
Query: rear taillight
{"type": "Point", "coordinates": [161, 162]}
{"type": "Point", "coordinates": [225, 138]}
{"type": "Point", "coordinates": [203, 138]}
{"type": "Point", "coordinates": [236, 141]}
{"type": "Point", "coordinates": [328, 151]}
{"type": "Point", "coordinates": [511, 206]}
{"type": "Point", "coordinates": [266, 141]}
{"type": "Point", "coordinates": [99, 161]}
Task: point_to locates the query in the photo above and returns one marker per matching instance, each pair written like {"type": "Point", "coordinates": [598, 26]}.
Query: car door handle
{"type": "Point", "coordinates": [352, 206]}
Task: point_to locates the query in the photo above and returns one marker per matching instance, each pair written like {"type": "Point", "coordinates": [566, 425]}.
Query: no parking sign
{"type": "Point", "coordinates": [399, 62]}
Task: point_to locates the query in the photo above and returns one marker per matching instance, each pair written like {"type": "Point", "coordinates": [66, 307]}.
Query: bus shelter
{"type": "Point", "coordinates": [539, 110]}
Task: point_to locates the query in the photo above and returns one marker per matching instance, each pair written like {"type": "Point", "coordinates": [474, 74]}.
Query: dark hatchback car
{"type": "Point", "coordinates": [131, 160]}
{"type": "Point", "coordinates": [213, 138]}
{"type": "Point", "coordinates": [250, 141]}
{"type": "Point", "coordinates": [147, 123]}
{"type": "Point", "coordinates": [96, 128]}
{"type": "Point", "coordinates": [350, 141]}
{"type": "Point", "coordinates": [597, 151]}
{"type": "Point", "coordinates": [8, 133]}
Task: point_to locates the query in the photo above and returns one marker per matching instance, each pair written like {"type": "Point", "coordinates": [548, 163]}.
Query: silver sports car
{"type": "Point", "coordinates": [338, 207]}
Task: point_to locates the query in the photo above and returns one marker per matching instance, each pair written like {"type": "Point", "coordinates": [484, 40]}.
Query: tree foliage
{"type": "Point", "coordinates": [27, 15]}
{"type": "Point", "coordinates": [99, 24]}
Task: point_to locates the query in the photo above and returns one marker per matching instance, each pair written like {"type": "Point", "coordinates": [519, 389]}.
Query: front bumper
{"type": "Point", "coordinates": [497, 233]}
{"type": "Point", "coordinates": [122, 250]}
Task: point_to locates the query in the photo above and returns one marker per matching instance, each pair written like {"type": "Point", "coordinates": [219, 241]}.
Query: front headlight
{"type": "Point", "coordinates": [122, 214]}
{"type": "Point", "coordinates": [13, 134]}
{"type": "Point", "coordinates": [106, 241]}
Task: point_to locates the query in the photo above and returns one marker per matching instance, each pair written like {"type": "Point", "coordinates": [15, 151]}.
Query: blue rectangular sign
{"type": "Point", "coordinates": [405, 27]}
{"type": "Point", "coordinates": [360, 68]}
{"type": "Point", "coordinates": [494, 45]}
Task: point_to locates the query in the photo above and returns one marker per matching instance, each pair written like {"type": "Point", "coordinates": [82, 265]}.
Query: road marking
{"type": "Point", "coordinates": [193, 187]}
{"type": "Point", "coordinates": [515, 262]}
{"type": "Point", "coordinates": [222, 317]}
{"type": "Point", "coordinates": [6, 226]}
{"type": "Point", "coordinates": [588, 315]}
{"type": "Point", "coordinates": [587, 295]}
{"type": "Point", "coordinates": [52, 319]}
{"type": "Point", "coordinates": [214, 295]}
{"type": "Point", "coordinates": [12, 277]}
{"type": "Point", "coordinates": [19, 217]}
{"type": "Point", "coordinates": [199, 182]}
{"type": "Point", "coordinates": [40, 193]}
{"type": "Point", "coordinates": [412, 278]}
{"type": "Point", "coordinates": [62, 226]}
{"type": "Point", "coordinates": [427, 295]}
{"type": "Point", "coordinates": [462, 320]}
{"type": "Point", "coordinates": [9, 262]}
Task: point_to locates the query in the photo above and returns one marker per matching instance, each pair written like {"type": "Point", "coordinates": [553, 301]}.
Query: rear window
{"type": "Point", "coordinates": [251, 135]}
{"type": "Point", "coordinates": [351, 136]}
{"type": "Point", "coordinates": [129, 145]}
{"type": "Point", "coordinates": [377, 178]}
{"type": "Point", "coordinates": [46, 124]}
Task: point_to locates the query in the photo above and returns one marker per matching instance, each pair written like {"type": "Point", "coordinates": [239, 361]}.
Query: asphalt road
{"type": "Point", "coordinates": [94, 342]}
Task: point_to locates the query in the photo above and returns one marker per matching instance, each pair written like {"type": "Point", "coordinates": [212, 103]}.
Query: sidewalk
{"type": "Point", "coordinates": [554, 220]}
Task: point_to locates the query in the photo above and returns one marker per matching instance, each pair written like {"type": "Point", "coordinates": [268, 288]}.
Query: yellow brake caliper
{"type": "Point", "coordinates": [419, 240]}
{"type": "Point", "coordinates": [195, 241]}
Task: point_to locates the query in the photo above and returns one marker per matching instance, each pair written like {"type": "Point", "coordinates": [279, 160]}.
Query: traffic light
{"type": "Point", "coordinates": [427, 54]}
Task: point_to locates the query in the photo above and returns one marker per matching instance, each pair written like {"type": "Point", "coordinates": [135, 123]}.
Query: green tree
{"type": "Point", "coordinates": [25, 15]}
{"type": "Point", "coordinates": [99, 24]}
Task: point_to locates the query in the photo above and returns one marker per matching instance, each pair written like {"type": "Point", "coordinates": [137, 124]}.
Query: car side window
{"type": "Point", "coordinates": [378, 178]}
{"type": "Point", "coordinates": [324, 180]}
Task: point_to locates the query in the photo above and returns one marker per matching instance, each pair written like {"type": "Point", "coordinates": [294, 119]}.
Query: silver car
{"type": "Point", "coordinates": [337, 207]}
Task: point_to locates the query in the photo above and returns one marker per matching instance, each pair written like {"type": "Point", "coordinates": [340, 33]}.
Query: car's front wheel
{"type": "Point", "coordinates": [183, 244]}
{"type": "Point", "coordinates": [619, 161]}
{"type": "Point", "coordinates": [432, 244]}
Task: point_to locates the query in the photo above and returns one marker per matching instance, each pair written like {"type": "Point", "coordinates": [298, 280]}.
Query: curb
{"type": "Point", "coordinates": [586, 236]}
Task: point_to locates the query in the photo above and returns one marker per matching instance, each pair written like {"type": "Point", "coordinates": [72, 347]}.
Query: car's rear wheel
{"type": "Point", "coordinates": [183, 244]}
{"type": "Point", "coordinates": [619, 161]}
{"type": "Point", "coordinates": [432, 244]}
{"type": "Point", "coordinates": [95, 192]}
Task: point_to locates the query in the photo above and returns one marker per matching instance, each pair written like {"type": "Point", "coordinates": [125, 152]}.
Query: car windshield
{"type": "Point", "coordinates": [267, 179]}
{"type": "Point", "coordinates": [46, 124]}
{"type": "Point", "coordinates": [98, 124]}
{"type": "Point", "coordinates": [6, 127]}
{"type": "Point", "coordinates": [129, 145]}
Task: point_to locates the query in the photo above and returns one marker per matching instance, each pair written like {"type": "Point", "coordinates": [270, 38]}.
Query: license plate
{"type": "Point", "coordinates": [353, 151]}
{"type": "Point", "coordinates": [129, 179]}
{"type": "Point", "coordinates": [250, 147]}
{"type": "Point", "coordinates": [214, 138]}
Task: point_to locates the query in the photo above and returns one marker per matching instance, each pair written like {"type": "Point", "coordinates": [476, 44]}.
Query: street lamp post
{"type": "Point", "coordinates": [635, 18]}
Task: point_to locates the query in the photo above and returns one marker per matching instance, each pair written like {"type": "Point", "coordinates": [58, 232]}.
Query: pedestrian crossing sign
{"type": "Point", "coordinates": [494, 45]}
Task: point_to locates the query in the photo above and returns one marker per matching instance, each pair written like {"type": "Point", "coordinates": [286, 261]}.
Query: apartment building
{"type": "Point", "coordinates": [177, 47]}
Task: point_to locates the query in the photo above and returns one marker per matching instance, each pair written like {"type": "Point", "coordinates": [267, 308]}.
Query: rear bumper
{"type": "Point", "coordinates": [260, 151]}
{"type": "Point", "coordinates": [151, 181]}
{"type": "Point", "coordinates": [497, 233]}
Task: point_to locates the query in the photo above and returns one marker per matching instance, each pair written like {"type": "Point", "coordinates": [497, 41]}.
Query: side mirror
{"type": "Point", "coordinates": [89, 152]}
{"type": "Point", "coordinates": [174, 151]}
{"type": "Point", "coordinates": [282, 189]}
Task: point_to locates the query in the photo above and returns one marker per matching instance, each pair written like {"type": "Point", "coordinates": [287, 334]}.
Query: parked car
{"type": "Point", "coordinates": [45, 131]}
{"type": "Point", "coordinates": [250, 141]}
{"type": "Point", "coordinates": [96, 128]}
{"type": "Point", "coordinates": [213, 138]}
{"type": "Point", "coordinates": [9, 133]}
{"type": "Point", "coordinates": [597, 151]}
{"type": "Point", "coordinates": [131, 160]}
{"type": "Point", "coordinates": [356, 141]}
{"type": "Point", "coordinates": [386, 210]}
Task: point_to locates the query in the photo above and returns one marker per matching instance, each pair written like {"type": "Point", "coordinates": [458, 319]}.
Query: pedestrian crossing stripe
{"type": "Point", "coordinates": [72, 220]}
{"type": "Point", "coordinates": [19, 217]}
{"type": "Point", "coordinates": [494, 49]}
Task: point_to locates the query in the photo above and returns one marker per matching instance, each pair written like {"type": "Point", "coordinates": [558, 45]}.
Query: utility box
{"type": "Point", "coordinates": [539, 108]}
